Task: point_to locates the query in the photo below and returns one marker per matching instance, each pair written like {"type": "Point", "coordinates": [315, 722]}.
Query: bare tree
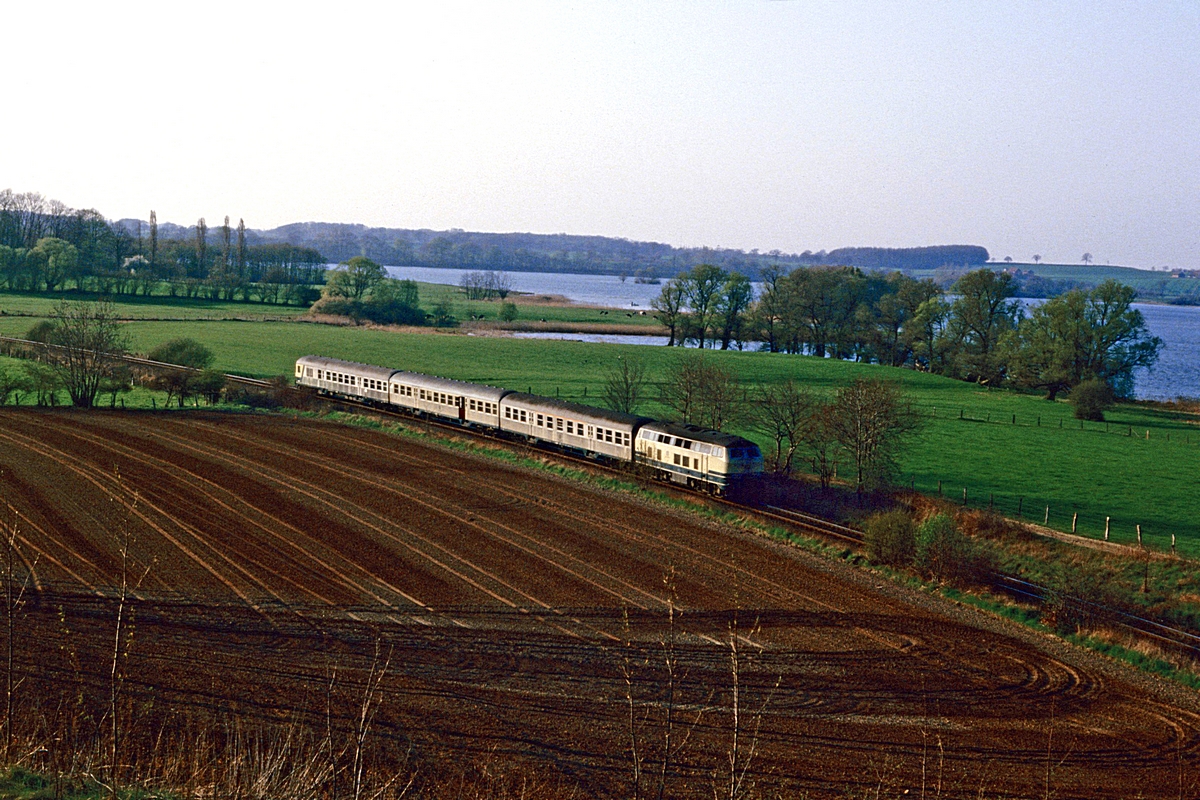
{"type": "Point", "coordinates": [625, 385]}
{"type": "Point", "coordinates": [1037, 259]}
{"type": "Point", "coordinates": [703, 392]}
{"type": "Point", "coordinates": [871, 419]}
{"type": "Point", "coordinates": [784, 413]}
{"type": "Point", "coordinates": [85, 346]}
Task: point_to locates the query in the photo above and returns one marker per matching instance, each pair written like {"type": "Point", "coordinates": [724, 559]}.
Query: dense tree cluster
{"type": "Point", "coordinates": [706, 305]}
{"type": "Point", "coordinates": [46, 246]}
{"type": "Point", "coordinates": [978, 332]}
{"type": "Point", "coordinates": [361, 290]}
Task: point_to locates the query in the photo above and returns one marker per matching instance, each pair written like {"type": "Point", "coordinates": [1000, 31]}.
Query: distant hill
{"type": "Point", "coordinates": [535, 252]}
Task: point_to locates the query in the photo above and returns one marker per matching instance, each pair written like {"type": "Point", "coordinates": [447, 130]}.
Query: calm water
{"type": "Point", "coordinates": [1176, 374]}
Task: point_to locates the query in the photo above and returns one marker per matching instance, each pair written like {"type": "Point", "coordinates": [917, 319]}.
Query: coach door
{"type": "Point", "coordinates": [462, 409]}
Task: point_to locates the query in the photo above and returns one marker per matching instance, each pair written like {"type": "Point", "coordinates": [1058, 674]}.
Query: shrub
{"type": "Point", "coordinates": [44, 332]}
{"type": "Point", "coordinates": [508, 312]}
{"type": "Point", "coordinates": [1090, 399]}
{"type": "Point", "coordinates": [1078, 597]}
{"type": "Point", "coordinates": [891, 539]}
{"type": "Point", "coordinates": [942, 550]}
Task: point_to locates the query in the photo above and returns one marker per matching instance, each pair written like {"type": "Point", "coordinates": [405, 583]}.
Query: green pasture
{"type": "Point", "coordinates": [1044, 459]}
{"type": "Point", "coordinates": [37, 305]}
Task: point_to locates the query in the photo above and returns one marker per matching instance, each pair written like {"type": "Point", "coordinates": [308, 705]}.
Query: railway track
{"type": "Point", "coordinates": [1170, 637]}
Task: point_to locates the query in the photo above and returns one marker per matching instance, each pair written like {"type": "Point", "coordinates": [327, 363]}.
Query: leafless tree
{"type": "Point", "coordinates": [784, 412]}
{"type": "Point", "coordinates": [84, 347]}
{"type": "Point", "coordinates": [819, 443]}
{"type": "Point", "coordinates": [703, 392]}
{"type": "Point", "coordinates": [871, 419]}
{"type": "Point", "coordinates": [625, 384]}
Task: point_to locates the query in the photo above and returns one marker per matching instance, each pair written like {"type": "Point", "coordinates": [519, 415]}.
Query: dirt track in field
{"type": "Point", "coordinates": [523, 614]}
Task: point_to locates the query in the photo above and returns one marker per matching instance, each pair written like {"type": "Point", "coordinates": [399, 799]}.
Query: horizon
{"type": "Point", "coordinates": [1051, 129]}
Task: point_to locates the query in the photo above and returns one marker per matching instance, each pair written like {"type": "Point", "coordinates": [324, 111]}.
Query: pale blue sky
{"type": "Point", "coordinates": [1041, 127]}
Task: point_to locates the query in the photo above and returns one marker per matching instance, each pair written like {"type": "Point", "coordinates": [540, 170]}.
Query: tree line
{"type": "Point", "coordinates": [561, 252]}
{"type": "Point", "coordinates": [977, 332]}
{"type": "Point", "coordinates": [46, 246]}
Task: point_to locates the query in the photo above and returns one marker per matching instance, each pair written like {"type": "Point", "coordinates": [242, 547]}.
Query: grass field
{"type": "Point", "coordinates": [1137, 469]}
{"type": "Point", "coordinates": [530, 308]}
{"type": "Point", "coordinates": [41, 304]}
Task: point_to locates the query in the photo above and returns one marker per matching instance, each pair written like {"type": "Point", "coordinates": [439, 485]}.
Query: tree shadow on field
{"type": "Point", "coordinates": [838, 503]}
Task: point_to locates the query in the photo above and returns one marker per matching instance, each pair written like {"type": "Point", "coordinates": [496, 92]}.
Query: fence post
{"type": "Point", "coordinates": [991, 501]}
{"type": "Point", "coordinates": [1172, 544]}
{"type": "Point", "coordinates": [1014, 419]}
{"type": "Point", "coordinates": [964, 495]}
{"type": "Point", "coordinates": [1046, 521]}
{"type": "Point", "coordinates": [1020, 505]}
{"type": "Point", "coordinates": [1074, 519]}
{"type": "Point", "coordinates": [1139, 530]}
{"type": "Point", "coordinates": [939, 488]}
{"type": "Point", "coordinates": [1106, 521]}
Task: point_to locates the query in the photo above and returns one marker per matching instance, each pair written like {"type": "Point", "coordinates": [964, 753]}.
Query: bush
{"type": "Point", "coordinates": [44, 332]}
{"type": "Point", "coordinates": [942, 550]}
{"type": "Point", "coordinates": [383, 311]}
{"type": "Point", "coordinates": [508, 312]}
{"type": "Point", "coordinates": [1090, 400]}
{"type": "Point", "coordinates": [891, 539]}
{"type": "Point", "coordinates": [1078, 597]}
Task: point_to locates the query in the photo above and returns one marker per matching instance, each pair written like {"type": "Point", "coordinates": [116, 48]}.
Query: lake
{"type": "Point", "coordinates": [1177, 373]}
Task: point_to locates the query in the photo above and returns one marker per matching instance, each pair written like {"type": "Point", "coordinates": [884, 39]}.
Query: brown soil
{"type": "Point", "coordinates": [525, 616]}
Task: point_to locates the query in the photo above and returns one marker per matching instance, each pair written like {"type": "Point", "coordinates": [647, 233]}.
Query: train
{"type": "Point", "coordinates": [678, 452]}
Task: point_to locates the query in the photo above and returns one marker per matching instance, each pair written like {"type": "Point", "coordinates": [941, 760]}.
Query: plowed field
{"type": "Point", "coordinates": [538, 623]}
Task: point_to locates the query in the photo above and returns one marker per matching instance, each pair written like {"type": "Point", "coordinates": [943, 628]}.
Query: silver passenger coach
{"type": "Point", "coordinates": [469, 403]}
{"type": "Point", "coordinates": [570, 425]}
{"type": "Point", "coordinates": [344, 377]}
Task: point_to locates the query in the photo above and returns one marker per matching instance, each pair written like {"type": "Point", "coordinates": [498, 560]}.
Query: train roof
{"type": "Point", "coordinates": [449, 385]}
{"type": "Point", "coordinates": [686, 430]}
{"type": "Point", "coordinates": [577, 409]}
{"type": "Point", "coordinates": [371, 370]}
